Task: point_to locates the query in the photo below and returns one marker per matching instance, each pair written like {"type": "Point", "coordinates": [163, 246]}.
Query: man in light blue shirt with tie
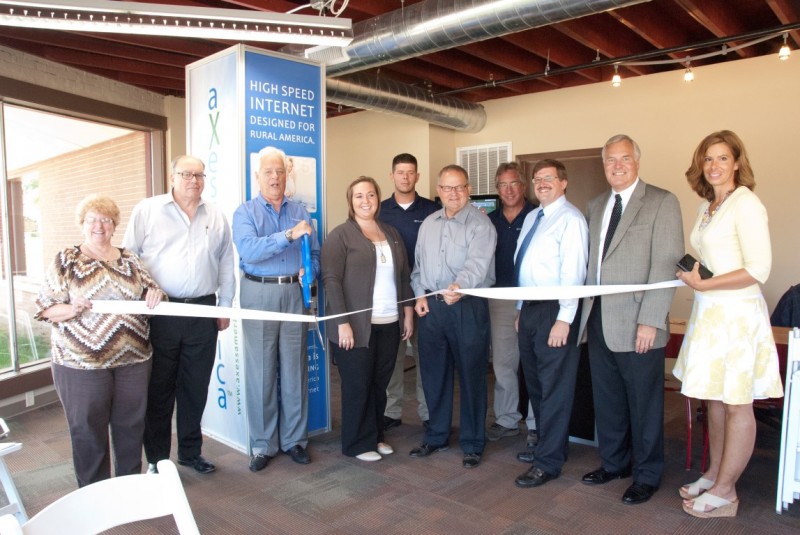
{"type": "Point", "coordinates": [552, 251]}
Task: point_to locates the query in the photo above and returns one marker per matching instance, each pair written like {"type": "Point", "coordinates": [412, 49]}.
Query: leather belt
{"type": "Point", "coordinates": [286, 279]}
{"type": "Point", "coordinates": [531, 303]}
{"type": "Point", "coordinates": [440, 297]}
{"type": "Point", "coordinates": [190, 300]}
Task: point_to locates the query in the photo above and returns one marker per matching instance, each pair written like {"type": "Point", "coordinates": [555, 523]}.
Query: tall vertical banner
{"type": "Point", "coordinates": [239, 101]}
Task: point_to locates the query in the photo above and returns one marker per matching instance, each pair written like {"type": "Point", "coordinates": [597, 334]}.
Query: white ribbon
{"type": "Point", "coordinates": [513, 294]}
{"type": "Point", "coordinates": [565, 292]}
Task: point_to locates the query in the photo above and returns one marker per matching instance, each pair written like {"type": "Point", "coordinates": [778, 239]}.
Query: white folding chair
{"type": "Point", "coordinates": [14, 506]}
{"type": "Point", "coordinates": [114, 502]}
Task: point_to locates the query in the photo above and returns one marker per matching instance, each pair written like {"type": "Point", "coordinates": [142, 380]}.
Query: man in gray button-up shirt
{"type": "Point", "coordinates": [455, 249]}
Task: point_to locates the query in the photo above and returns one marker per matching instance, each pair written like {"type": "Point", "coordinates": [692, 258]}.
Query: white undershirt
{"type": "Point", "coordinates": [384, 294]}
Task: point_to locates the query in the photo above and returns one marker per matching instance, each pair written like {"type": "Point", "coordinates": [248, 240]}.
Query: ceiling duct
{"type": "Point", "coordinates": [435, 25]}
{"type": "Point", "coordinates": [379, 94]}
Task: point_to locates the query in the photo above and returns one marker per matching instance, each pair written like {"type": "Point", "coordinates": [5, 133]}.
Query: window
{"type": "Point", "coordinates": [52, 162]}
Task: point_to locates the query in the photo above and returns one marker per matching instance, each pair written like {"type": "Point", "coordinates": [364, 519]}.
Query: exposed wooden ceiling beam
{"type": "Point", "coordinates": [611, 38]}
{"type": "Point", "coordinates": [718, 18]}
{"type": "Point", "coordinates": [564, 51]}
{"type": "Point", "coordinates": [787, 11]}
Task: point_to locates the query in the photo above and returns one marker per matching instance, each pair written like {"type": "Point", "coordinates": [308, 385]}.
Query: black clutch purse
{"type": "Point", "coordinates": [687, 264]}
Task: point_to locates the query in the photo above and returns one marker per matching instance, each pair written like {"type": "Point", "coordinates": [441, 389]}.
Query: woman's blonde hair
{"type": "Point", "coordinates": [100, 204]}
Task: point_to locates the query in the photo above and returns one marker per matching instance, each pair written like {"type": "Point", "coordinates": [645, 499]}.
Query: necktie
{"type": "Point", "coordinates": [524, 247]}
{"type": "Point", "coordinates": [616, 215]}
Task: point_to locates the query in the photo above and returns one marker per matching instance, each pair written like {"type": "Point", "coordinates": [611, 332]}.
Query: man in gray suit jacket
{"type": "Point", "coordinates": [635, 237]}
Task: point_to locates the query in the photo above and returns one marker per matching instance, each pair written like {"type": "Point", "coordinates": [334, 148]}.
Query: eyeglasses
{"type": "Point", "coordinates": [186, 175]}
{"type": "Point", "coordinates": [548, 179]}
{"type": "Point", "coordinates": [91, 220]}
{"type": "Point", "coordinates": [268, 172]}
{"type": "Point", "coordinates": [459, 189]}
{"type": "Point", "coordinates": [500, 186]}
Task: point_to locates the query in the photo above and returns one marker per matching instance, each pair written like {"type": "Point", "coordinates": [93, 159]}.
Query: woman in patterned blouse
{"type": "Point", "coordinates": [101, 362]}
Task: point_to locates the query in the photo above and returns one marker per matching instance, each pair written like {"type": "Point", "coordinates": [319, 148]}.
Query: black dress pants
{"type": "Point", "coordinates": [365, 374]}
{"type": "Point", "coordinates": [455, 338]}
{"type": "Point", "coordinates": [628, 390]}
{"type": "Point", "coordinates": [184, 349]}
{"type": "Point", "coordinates": [550, 374]}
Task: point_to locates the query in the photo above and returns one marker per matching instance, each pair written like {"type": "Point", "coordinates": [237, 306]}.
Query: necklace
{"type": "Point", "coordinates": [380, 248]}
{"type": "Point", "coordinates": [709, 213]}
{"type": "Point", "coordinates": [376, 237]}
{"type": "Point", "coordinates": [91, 253]}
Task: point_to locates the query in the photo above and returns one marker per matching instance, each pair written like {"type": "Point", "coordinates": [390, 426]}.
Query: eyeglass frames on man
{"type": "Point", "coordinates": [547, 179]}
{"type": "Point", "coordinates": [188, 175]}
{"type": "Point", "coordinates": [516, 184]}
{"type": "Point", "coordinates": [461, 188]}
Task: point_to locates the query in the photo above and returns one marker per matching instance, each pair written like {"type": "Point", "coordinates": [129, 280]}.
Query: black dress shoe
{"type": "Point", "coordinates": [389, 423]}
{"type": "Point", "coordinates": [199, 464]}
{"type": "Point", "coordinates": [299, 455]}
{"type": "Point", "coordinates": [638, 493]}
{"type": "Point", "coordinates": [471, 460]}
{"type": "Point", "coordinates": [527, 456]}
{"type": "Point", "coordinates": [425, 449]}
{"type": "Point", "coordinates": [535, 477]}
{"type": "Point", "coordinates": [258, 462]}
{"type": "Point", "coordinates": [532, 440]}
{"type": "Point", "coordinates": [602, 476]}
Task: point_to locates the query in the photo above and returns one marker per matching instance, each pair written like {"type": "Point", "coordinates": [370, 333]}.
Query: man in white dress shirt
{"type": "Point", "coordinates": [551, 251]}
{"type": "Point", "coordinates": [185, 243]}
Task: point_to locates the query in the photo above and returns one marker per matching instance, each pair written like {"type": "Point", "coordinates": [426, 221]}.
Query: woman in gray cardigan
{"type": "Point", "coordinates": [364, 266]}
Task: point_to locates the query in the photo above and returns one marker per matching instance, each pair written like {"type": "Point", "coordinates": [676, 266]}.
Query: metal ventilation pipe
{"type": "Point", "coordinates": [435, 25]}
{"type": "Point", "coordinates": [380, 94]}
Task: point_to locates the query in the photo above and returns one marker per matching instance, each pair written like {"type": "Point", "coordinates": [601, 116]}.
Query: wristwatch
{"type": "Point", "coordinates": [288, 235]}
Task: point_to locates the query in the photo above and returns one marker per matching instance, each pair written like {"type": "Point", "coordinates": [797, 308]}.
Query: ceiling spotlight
{"type": "Point", "coordinates": [688, 75]}
{"type": "Point", "coordinates": [785, 51]}
{"type": "Point", "coordinates": [616, 80]}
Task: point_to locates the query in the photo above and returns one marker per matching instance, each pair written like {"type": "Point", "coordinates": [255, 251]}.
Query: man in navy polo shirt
{"type": "Point", "coordinates": [512, 187]}
{"type": "Point", "coordinates": [405, 210]}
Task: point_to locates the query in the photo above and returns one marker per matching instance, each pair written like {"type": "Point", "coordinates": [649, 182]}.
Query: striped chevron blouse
{"type": "Point", "coordinates": [92, 340]}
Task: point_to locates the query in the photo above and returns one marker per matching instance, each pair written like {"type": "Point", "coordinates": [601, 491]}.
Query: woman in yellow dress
{"type": "Point", "coordinates": [728, 357]}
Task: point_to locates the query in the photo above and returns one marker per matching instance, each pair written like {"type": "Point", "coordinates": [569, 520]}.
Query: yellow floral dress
{"type": "Point", "coordinates": [728, 352]}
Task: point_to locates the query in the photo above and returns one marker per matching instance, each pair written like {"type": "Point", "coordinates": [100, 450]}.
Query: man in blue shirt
{"type": "Point", "coordinates": [405, 210]}
{"type": "Point", "coordinates": [512, 188]}
{"type": "Point", "coordinates": [266, 231]}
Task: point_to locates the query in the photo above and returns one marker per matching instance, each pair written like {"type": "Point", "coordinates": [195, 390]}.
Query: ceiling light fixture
{"type": "Point", "coordinates": [175, 21]}
{"type": "Point", "coordinates": [616, 80]}
{"type": "Point", "coordinates": [688, 75]}
{"type": "Point", "coordinates": [785, 51]}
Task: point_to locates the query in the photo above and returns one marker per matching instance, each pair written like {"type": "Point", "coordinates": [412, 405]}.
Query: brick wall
{"type": "Point", "coordinates": [116, 168]}
{"type": "Point", "coordinates": [35, 70]}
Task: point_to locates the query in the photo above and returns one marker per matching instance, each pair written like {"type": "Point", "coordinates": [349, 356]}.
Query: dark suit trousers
{"type": "Point", "coordinates": [365, 374]}
{"type": "Point", "coordinates": [183, 356]}
{"type": "Point", "coordinates": [628, 390]}
{"type": "Point", "coordinates": [455, 338]}
{"type": "Point", "coordinates": [550, 374]}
